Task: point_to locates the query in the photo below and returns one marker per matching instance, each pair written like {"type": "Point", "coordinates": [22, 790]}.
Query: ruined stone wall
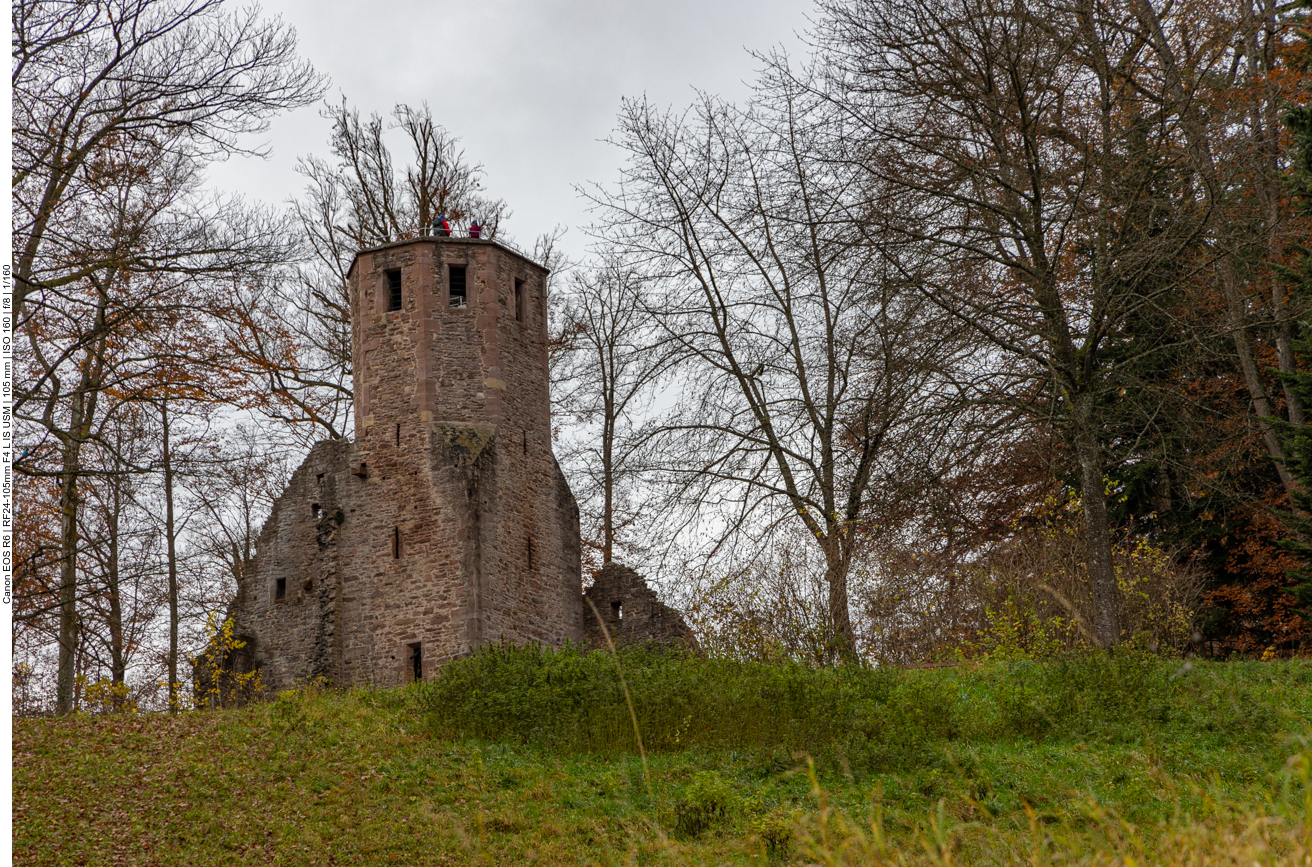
{"type": "Point", "coordinates": [631, 612]}
{"type": "Point", "coordinates": [457, 527]}
{"type": "Point", "coordinates": [293, 635]}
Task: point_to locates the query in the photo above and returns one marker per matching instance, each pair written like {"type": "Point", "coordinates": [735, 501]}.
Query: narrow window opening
{"type": "Point", "coordinates": [530, 552]}
{"type": "Point", "coordinates": [393, 290]}
{"type": "Point", "coordinates": [525, 433]}
{"type": "Point", "coordinates": [619, 610]}
{"type": "Point", "coordinates": [280, 589]}
{"type": "Point", "coordinates": [417, 661]}
{"type": "Point", "coordinates": [398, 434]}
{"type": "Point", "coordinates": [519, 299]}
{"type": "Point", "coordinates": [456, 285]}
{"type": "Point", "coordinates": [314, 509]}
{"type": "Point", "coordinates": [321, 478]}
{"type": "Point", "coordinates": [396, 543]}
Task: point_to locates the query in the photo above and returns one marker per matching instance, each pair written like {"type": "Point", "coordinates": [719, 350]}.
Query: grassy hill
{"type": "Point", "coordinates": [529, 757]}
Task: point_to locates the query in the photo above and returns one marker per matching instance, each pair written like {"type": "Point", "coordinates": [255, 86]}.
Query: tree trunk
{"type": "Point", "coordinates": [82, 408]}
{"type": "Point", "coordinates": [1102, 571]}
{"type": "Point", "coordinates": [171, 539]}
{"type": "Point", "coordinates": [118, 665]}
{"type": "Point", "coordinates": [1270, 185]}
{"type": "Point", "coordinates": [69, 540]}
{"type": "Point", "coordinates": [1237, 321]}
{"type": "Point", "coordinates": [608, 486]}
{"type": "Point", "coordinates": [837, 562]}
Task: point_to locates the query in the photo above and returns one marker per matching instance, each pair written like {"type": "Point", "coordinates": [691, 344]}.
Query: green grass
{"type": "Point", "coordinates": [528, 757]}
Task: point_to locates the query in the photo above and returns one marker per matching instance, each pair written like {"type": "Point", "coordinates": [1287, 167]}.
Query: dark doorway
{"type": "Point", "coordinates": [417, 661]}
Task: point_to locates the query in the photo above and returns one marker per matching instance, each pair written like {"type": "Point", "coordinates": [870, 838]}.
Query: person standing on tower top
{"type": "Point", "coordinates": [441, 226]}
{"type": "Point", "coordinates": [475, 230]}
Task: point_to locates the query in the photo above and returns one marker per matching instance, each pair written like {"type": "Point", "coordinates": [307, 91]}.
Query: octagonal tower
{"type": "Point", "coordinates": [447, 524]}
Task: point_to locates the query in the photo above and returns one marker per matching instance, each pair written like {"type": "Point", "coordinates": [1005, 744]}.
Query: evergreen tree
{"type": "Point", "coordinates": [1298, 438]}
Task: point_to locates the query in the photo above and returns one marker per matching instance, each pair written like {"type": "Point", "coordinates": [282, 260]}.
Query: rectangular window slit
{"type": "Point", "coordinates": [280, 589]}
{"type": "Point", "coordinates": [314, 509]}
{"type": "Point", "coordinates": [525, 442]}
{"type": "Point", "coordinates": [619, 610]}
{"type": "Point", "coordinates": [396, 543]}
{"type": "Point", "coordinates": [393, 290]}
{"type": "Point", "coordinates": [519, 299]}
{"type": "Point", "coordinates": [398, 435]}
{"type": "Point", "coordinates": [530, 552]}
{"type": "Point", "coordinates": [456, 285]}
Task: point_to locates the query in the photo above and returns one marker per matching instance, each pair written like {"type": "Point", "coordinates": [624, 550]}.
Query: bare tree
{"type": "Point", "coordinates": [178, 77]}
{"type": "Point", "coordinates": [117, 105]}
{"type": "Point", "coordinates": [814, 370]}
{"type": "Point", "coordinates": [360, 199]}
{"type": "Point", "coordinates": [235, 486]}
{"type": "Point", "coordinates": [1037, 148]}
{"type": "Point", "coordinates": [610, 360]}
{"type": "Point", "coordinates": [122, 543]}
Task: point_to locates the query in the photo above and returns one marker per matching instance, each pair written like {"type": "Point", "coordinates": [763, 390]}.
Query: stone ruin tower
{"type": "Point", "coordinates": [447, 523]}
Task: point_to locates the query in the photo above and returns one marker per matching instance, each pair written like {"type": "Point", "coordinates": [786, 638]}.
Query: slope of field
{"type": "Point", "coordinates": [527, 757]}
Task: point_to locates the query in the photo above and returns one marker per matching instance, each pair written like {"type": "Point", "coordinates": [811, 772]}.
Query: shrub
{"type": "Point", "coordinates": [218, 680]}
{"type": "Point", "coordinates": [1031, 596]}
{"type": "Point", "coordinates": [777, 830]}
{"type": "Point", "coordinates": [107, 696]}
{"type": "Point", "coordinates": [705, 802]}
{"type": "Point", "coordinates": [573, 700]}
{"type": "Point", "coordinates": [858, 719]}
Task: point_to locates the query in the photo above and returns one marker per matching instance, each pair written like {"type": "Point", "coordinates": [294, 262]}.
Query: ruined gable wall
{"type": "Point", "coordinates": [631, 611]}
{"type": "Point", "coordinates": [293, 638]}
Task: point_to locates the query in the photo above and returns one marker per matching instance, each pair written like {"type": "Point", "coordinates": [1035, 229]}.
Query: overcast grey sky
{"type": "Point", "coordinates": [530, 86]}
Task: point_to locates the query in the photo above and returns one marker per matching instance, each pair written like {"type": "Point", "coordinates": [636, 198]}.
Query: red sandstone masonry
{"type": "Point", "coordinates": [630, 612]}
{"type": "Point", "coordinates": [447, 522]}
